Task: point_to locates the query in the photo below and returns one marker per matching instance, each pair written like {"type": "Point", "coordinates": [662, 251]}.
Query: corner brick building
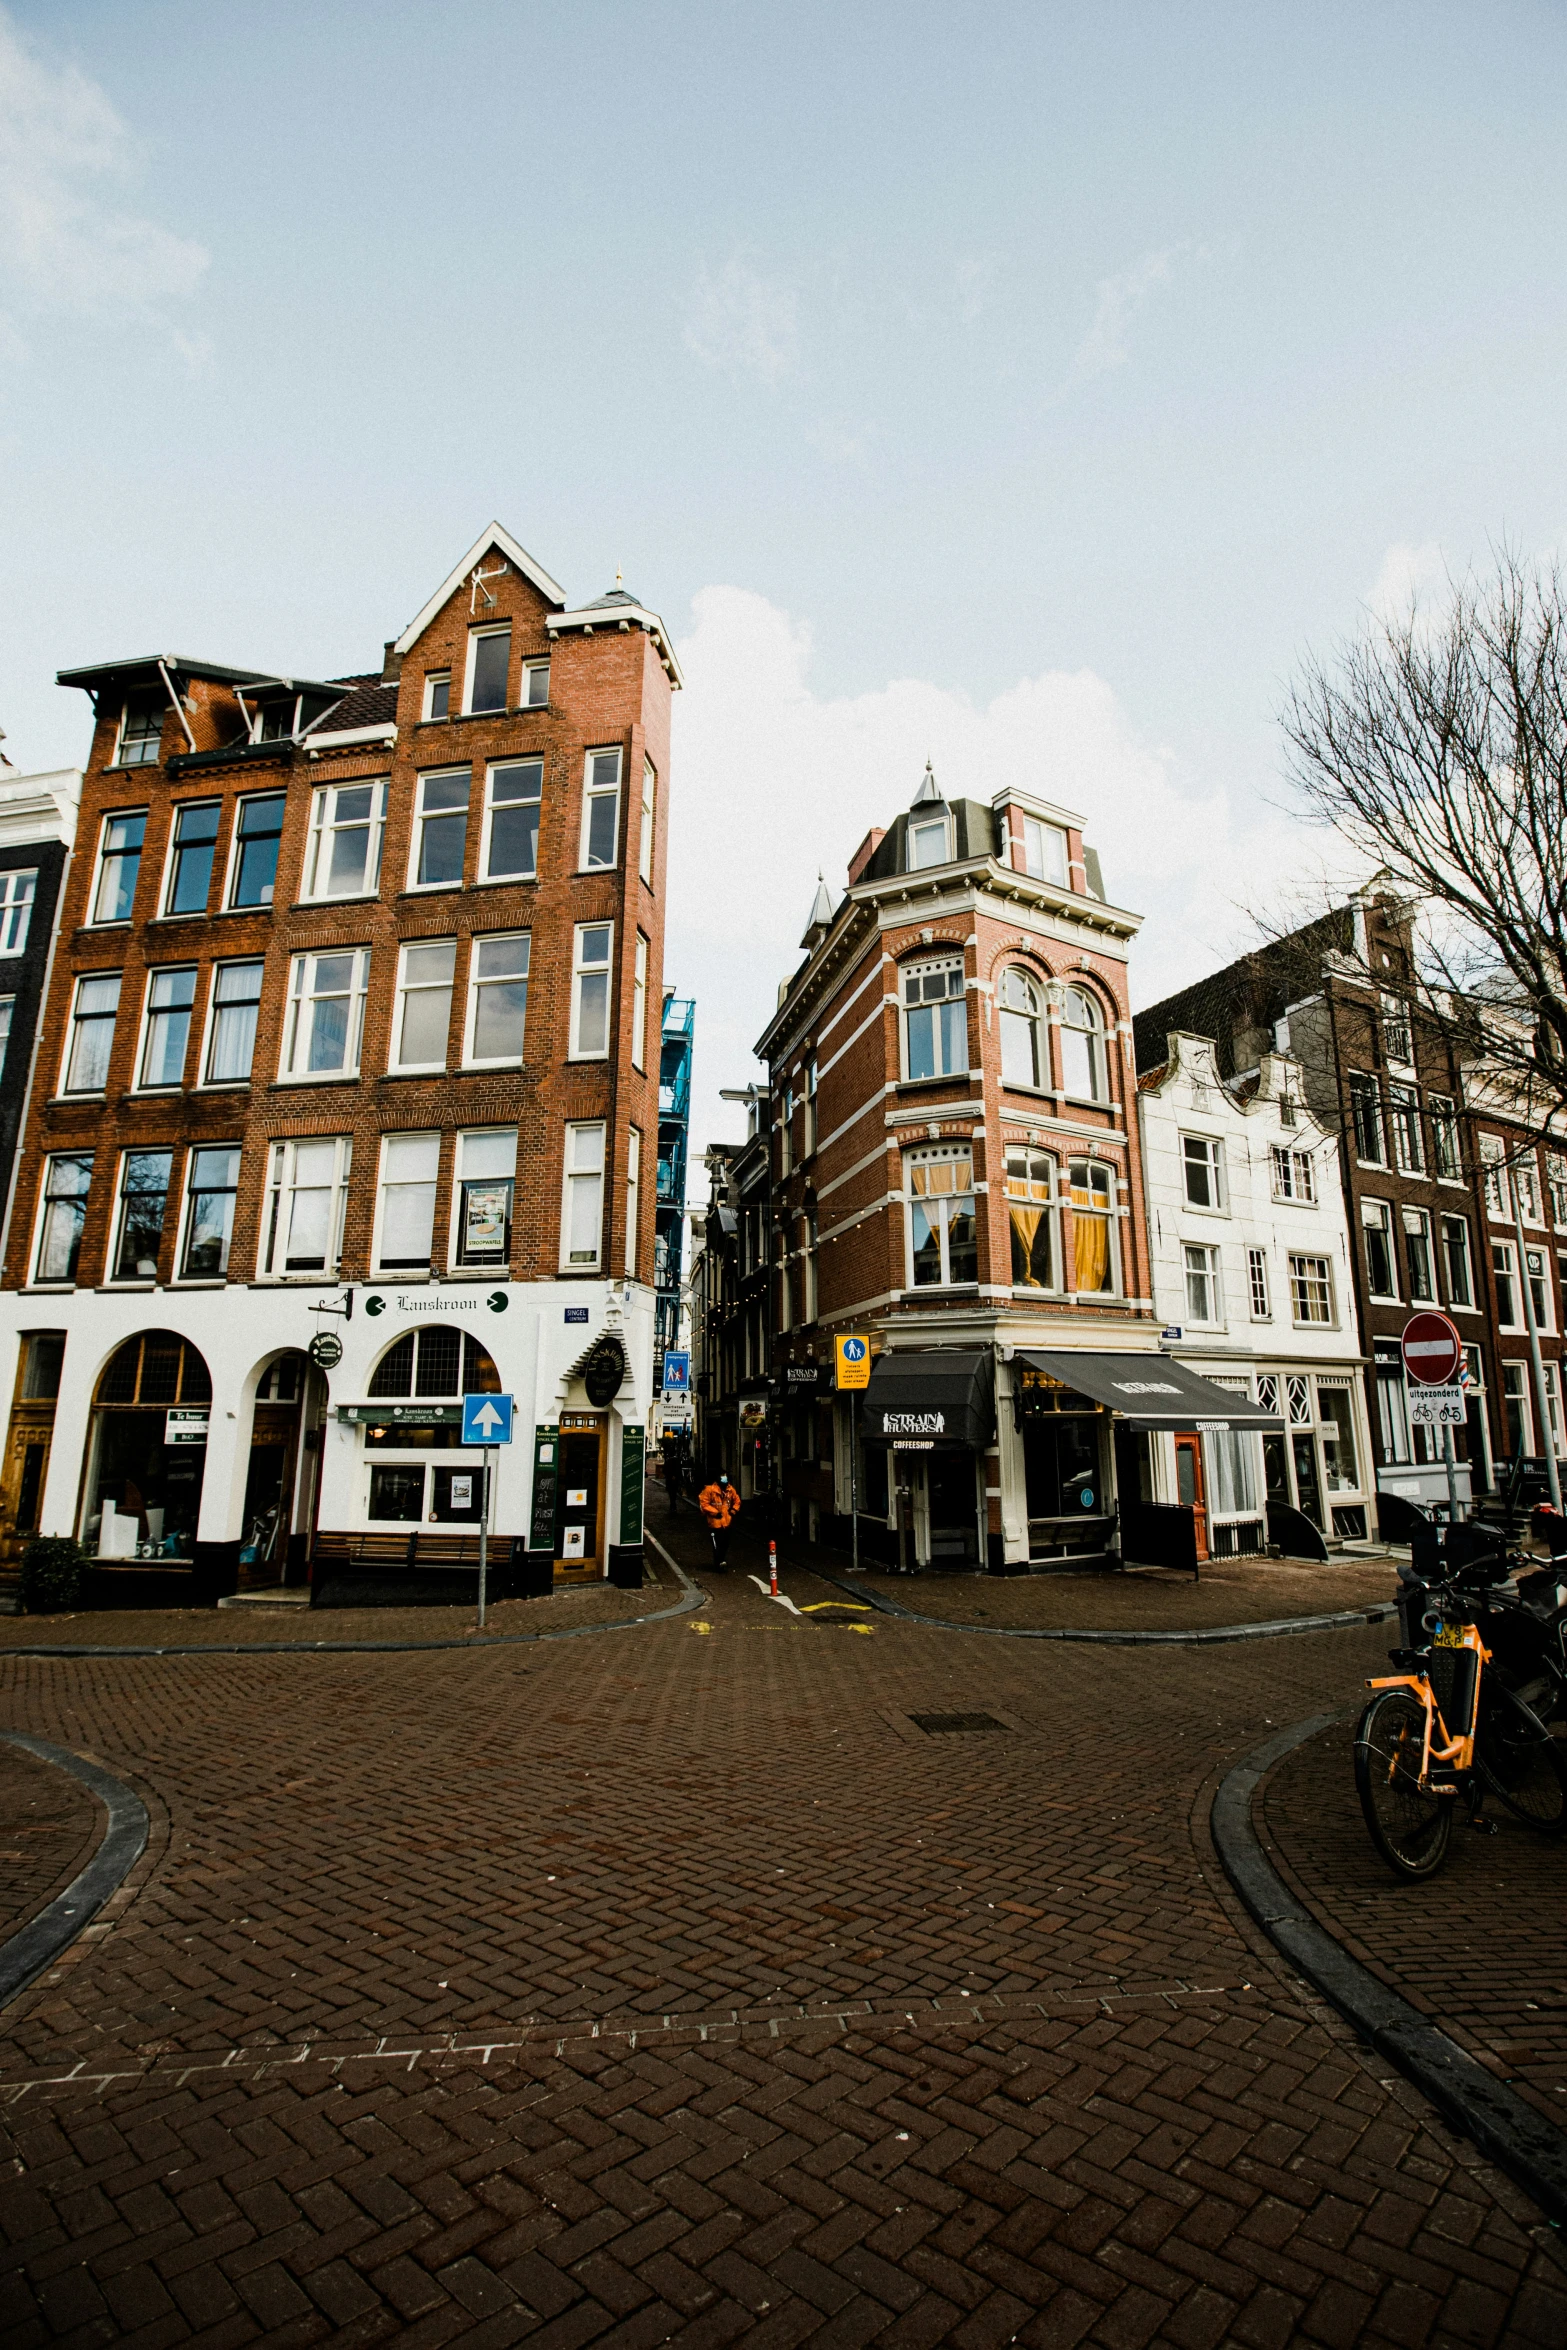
{"type": "Point", "coordinates": [352, 1035]}
{"type": "Point", "coordinates": [956, 1175]}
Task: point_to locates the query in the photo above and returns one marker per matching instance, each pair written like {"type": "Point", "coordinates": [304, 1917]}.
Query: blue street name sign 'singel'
{"type": "Point", "coordinates": [486, 1419]}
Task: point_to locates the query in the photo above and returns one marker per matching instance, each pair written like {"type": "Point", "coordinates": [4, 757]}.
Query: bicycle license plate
{"type": "Point", "coordinates": [1448, 1637]}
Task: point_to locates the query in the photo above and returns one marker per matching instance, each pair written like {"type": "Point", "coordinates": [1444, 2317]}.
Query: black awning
{"type": "Point", "coordinates": [1151, 1391]}
{"type": "Point", "coordinates": [939, 1395]}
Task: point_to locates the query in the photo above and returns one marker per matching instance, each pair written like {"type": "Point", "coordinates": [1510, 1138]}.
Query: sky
{"type": "Point", "coordinates": [1024, 388]}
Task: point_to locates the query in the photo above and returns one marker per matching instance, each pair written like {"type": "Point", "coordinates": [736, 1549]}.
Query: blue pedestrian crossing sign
{"type": "Point", "coordinates": [486, 1419]}
{"type": "Point", "coordinates": [677, 1374]}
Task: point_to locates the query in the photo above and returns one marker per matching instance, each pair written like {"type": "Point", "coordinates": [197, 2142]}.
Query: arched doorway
{"type": "Point", "coordinates": [147, 1451]}
{"type": "Point", "coordinates": [272, 1477]}
{"type": "Point", "coordinates": [417, 1472]}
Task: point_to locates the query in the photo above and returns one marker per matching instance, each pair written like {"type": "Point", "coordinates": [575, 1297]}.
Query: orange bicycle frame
{"type": "Point", "coordinates": [1452, 1754]}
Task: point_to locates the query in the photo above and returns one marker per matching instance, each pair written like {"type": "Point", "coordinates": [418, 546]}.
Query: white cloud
{"type": "Point", "coordinates": [1105, 344]}
{"type": "Point", "coordinates": [742, 324]}
{"type": "Point", "coordinates": [64, 247]}
{"type": "Point", "coordinates": [1409, 576]}
{"type": "Point", "coordinates": [771, 781]}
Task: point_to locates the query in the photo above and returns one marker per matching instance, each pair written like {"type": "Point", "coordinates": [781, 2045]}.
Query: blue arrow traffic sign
{"type": "Point", "coordinates": [486, 1419]}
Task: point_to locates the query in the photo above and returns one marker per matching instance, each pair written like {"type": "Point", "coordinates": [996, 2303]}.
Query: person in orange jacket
{"type": "Point", "coordinates": [719, 1504]}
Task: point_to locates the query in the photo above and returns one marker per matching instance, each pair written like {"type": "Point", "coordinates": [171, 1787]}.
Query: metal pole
{"type": "Point", "coordinates": [1553, 1475]}
{"type": "Point", "coordinates": [484, 1531]}
{"type": "Point", "coordinates": [854, 1477]}
{"type": "Point", "coordinates": [1450, 1463]}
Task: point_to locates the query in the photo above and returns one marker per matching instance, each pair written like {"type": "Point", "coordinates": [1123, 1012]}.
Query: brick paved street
{"type": "Point", "coordinates": [49, 1824]}
{"type": "Point", "coordinates": [1230, 1591]}
{"type": "Point", "coordinates": [673, 1985]}
{"type": "Point", "coordinates": [1439, 1941]}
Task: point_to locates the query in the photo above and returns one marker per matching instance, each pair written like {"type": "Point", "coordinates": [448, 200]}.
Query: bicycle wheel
{"type": "Point", "coordinates": [1521, 1762]}
{"type": "Point", "coordinates": [1409, 1827]}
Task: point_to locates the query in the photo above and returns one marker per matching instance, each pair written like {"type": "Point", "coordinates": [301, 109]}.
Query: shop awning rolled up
{"type": "Point", "coordinates": [1150, 1391]}
{"type": "Point", "coordinates": [941, 1396]}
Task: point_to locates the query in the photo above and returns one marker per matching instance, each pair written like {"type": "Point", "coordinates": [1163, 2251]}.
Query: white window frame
{"type": "Point", "coordinates": [1211, 1159]}
{"type": "Point", "coordinates": [47, 1200]}
{"type": "Point", "coordinates": [476, 636]}
{"type": "Point", "coordinates": [1259, 1285]}
{"type": "Point", "coordinates": [150, 745]}
{"type": "Point", "coordinates": [1403, 1117]}
{"type": "Point", "coordinates": [1517, 1387]}
{"type": "Point", "coordinates": [461, 1178]}
{"type": "Point", "coordinates": [302, 972]}
{"type": "Point", "coordinates": [582, 970]}
{"type": "Point", "coordinates": [921, 829]}
{"type": "Point", "coordinates": [325, 824]}
{"type": "Point", "coordinates": [593, 793]}
{"type": "Point", "coordinates": [956, 1154]}
{"type": "Point", "coordinates": [95, 920]}
{"type": "Point", "coordinates": [215, 1011]}
{"type": "Point", "coordinates": [1031, 1015]}
{"type": "Point", "coordinates": [142, 1083]}
{"type": "Point", "coordinates": [579, 1132]}
{"type": "Point", "coordinates": [434, 679]}
{"type": "Point", "coordinates": [484, 878]}
{"type": "Point", "coordinates": [405, 988]}
{"type": "Point", "coordinates": [1209, 1273]}
{"type": "Point", "coordinates": [1032, 858]}
{"type": "Point", "coordinates": [188, 1191]}
{"type": "Point", "coordinates": [16, 907]}
{"type": "Point", "coordinates": [639, 1004]}
{"type": "Point", "coordinates": [649, 812]}
{"type": "Point", "coordinates": [1293, 1174]}
{"type": "Point", "coordinates": [1553, 1409]}
{"type": "Point", "coordinates": [85, 979]}
{"type": "Point", "coordinates": [1377, 1215]}
{"type": "Point", "coordinates": [423, 816]}
{"type": "Point", "coordinates": [1544, 1320]}
{"type": "Point", "coordinates": [113, 1277]}
{"type": "Point", "coordinates": [237, 846]}
{"type": "Point", "coordinates": [633, 1200]}
{"type": "Point", "coordinates": [7, 1015]}
{"type": "Point", "coordinates": [478, 982]}
{"type": "Point", "coordinates": [536, 684]}
{"type": "Point", "coordinates": [1504, 1268]}
{"type": "Point", "coordinates": [277, 1216]}
{"type": "Point", "coordinates": [171, 860]}
{"type": "Point", "coordinates": [920, 967]}
{"type": "Point", "coordinates": [1417, 1226]}
{"type": "Point", "coordinates": [1526, 1177]}
{"type": "Point", "coordinates": [1463, 1304]}
{"type": "Point", "coordinates": [406, 1267]}
{"type": "Point", "coordinates": [1493, 1174]}
{"type": "Point", "coordinates": [1322, 1279]}
{"type": "Point", "coordinates": [1098, 1051]}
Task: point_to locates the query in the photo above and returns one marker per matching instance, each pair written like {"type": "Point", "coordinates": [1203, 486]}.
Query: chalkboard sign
{"type": "Point", "coordinates": [546, 1472]}
{"type": "Point", "coordinates": [632, 1441]}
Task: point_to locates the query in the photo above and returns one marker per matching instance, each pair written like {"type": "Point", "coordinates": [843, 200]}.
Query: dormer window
{"type": "Point", "coordinates": [141, 735]}
{"type": "Point", "coordinates": [1042, 850]}
{"type": "Point", "coordinates": [927, 842]}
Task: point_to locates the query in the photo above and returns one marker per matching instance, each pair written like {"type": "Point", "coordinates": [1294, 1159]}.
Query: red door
{"type": "Point", "coordinates": [1189, 1487]}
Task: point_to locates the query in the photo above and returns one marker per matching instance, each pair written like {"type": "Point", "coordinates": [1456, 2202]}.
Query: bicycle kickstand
{"type": "Point", "coordinates": [1477, 1818]}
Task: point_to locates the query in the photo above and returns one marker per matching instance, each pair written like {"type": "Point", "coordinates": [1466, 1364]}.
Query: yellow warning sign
{"type": "Point", "coordinates": [852, 1361]}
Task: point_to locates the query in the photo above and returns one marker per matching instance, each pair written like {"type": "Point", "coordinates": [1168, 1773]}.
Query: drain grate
{"type": "Point", "coordinates": [951, 1725]}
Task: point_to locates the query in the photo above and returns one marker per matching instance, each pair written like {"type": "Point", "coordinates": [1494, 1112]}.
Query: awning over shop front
{"type": "Point", "coordinates": [938, 1396]}
{"type": "Point", "coordinates": [1150, 1391]}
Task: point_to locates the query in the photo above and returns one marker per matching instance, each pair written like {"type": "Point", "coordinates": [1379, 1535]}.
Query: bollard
{"type": "Point", "coordinates": [772, 1567]}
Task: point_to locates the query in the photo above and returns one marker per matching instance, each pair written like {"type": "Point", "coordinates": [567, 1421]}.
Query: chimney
{"type": "Point", "coordinates": [866, 850]}
{"type": "Point", "coordinates": [391, 662]}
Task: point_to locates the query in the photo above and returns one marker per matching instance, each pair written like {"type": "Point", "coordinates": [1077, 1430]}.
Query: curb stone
{"type": "Point", "coordinates": [1507, 2130]}
{"type": "Point", "coordinates": [26, 1954]}
{"type": "Point", "coordinates": [1343, 1620]}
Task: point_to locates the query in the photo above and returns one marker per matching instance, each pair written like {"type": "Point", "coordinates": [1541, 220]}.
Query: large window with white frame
{"type": "Point", "coordinates": [639, 1005]}
{"type": "Point", "coordinates": [1294, 1174]}
{"type": "Point", "coordinates": [582, 1200]}
{"type": "Point", "coordinates": [193, 844]}
{"type": "Point", "coordinates": [90, 1039]}
{"type": "Point", "coordinates": [1365, 1109]}
{"type": "Point", "coordinates": [422, 1017]}
{"type": "Point", "coordinates": [1446, 1158]}
{"type": "Point", "coordinates": [231, 1024]}
{"type": "Point", "coordinates": [211, 1187]}
{"type": "Point", "coordinates": [1202, 1170]}
{"type": "Point", "coordinates": [601, 811]}
{"type": "Point", "coordinates": [943, 1233]}
{"type": "Point", "coordinates": [535, 684]}
{"type": "Point", "coordinates": [1084, 1071]}
{"type": "Point", "coordinates": [1536, 1273]}
{"type": "Point", "coordinates": [119, 866]}
{"type": "Point", "coordinates": [1034, 1219]}
{"type": "Point", "coordinates": [62, 1213]}
{"type": "Point", "coordinates": [1336, 1411]}
{"type": "Point", "coordinates": [343, 853]}
{"type": "Point", "coordinates": [307, 1200]}
{"type": "Point", "coordinates": [1096, 1251]}
{"type": "Point", "coordinates": [1257, 1287]}
{"type": "Point", "coordinates": [633, 1200]}
{"type": "Point", "coordinates": [253, 858]}
{"type": "Point", "coordinates": [513, 796]}
{"type": "Point", "coordinates": [143, 1203]}
{"type": "Point", "coordinates": [1204, 1282]}
{"type": "Point", "coordinates": [141, 733]}
{"type": "Point", "coordinates": [171, 997]}
{"type": "Point", "coordinates": [1526, 1175]}
{"type": "Point", "coordinates": [1418, 1257]}
{"type": "Point", "coordinates": [1311, 1291]}
{"type": "Point", "coordinates": [497, 999]}
{"type": "Point", "coordinates": [1403, 1114]}
{"type": "Point", "coordinates": [440, 829]}
{"type": "Point", "coordinates": [935, 1018]}
{"type": "Point", "coordinates": [929, 841]}
{"type": "Point", "coordinates": [1498, 1197]}
{"type": "Point", "coordinates": [489, 659]}
{"type": "Point", "coordinates": [1025, 1052]}
{"type": "Point", "coordinates": [1504, 1274]}
{"type": "Point", "coordinates": [592, 949]}
{"type": "Point", "coordinates": [1376, 1219]}
{"type": "Point", "coordinates": [1456, 1260]}
{"type": "Point", "coordinates": [18, 890]}
{"type": "Point", "coordinates": [1516, 1409]}
{"type": "Point", "coordinates": [323, 1026]}
{"type": "Point", "coordinates": [645, 841]}
{"type": "Point", "coordinates": [1041, 851]}
{"type": "Point", "coordinates": [484, 1184]}
{"type": "Point", "coordinates": [405, 1204]}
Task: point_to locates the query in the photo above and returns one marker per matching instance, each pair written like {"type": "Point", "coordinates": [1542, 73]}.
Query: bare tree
{"type": "Point", "coordinates": [1435, 745]}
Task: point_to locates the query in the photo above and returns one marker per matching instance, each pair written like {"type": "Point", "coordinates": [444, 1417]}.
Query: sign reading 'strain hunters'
{"type": "Point", "coordinates": [914, 1423]}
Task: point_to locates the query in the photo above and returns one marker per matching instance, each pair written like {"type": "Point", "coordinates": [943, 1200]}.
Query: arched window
{"type": "Point", "coordinates": [1083, 1047]}
{"type": "Point", "coordinates": [435, 1361]}
{"type": "Point", "coordinates": [159, 1367]}
{"type": "Point", "coordinates": [1022, 1030]}
{"type": "Point", "coordinates": [1095, 1247]}
{"type": "Point", "coordinates": [1031, 1212]}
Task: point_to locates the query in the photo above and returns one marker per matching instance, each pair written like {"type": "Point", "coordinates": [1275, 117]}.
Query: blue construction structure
{"type": "Point", "coordinates": [674, 1125]}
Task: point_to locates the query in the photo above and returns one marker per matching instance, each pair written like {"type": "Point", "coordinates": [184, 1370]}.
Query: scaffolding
{"type": "Point", "coordinates": [674, 1125]}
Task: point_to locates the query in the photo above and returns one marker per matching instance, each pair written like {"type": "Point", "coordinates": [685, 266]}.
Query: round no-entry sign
{"type": "Point", "coordinates": [1432, 1350]}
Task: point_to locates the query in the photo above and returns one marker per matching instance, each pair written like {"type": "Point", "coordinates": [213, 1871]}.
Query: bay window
{"type": "Point", "coordinates": [943, 1234]}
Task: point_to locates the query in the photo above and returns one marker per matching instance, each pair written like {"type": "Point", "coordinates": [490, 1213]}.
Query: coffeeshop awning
{"type": "Point", "coordinates": [1149, 1391]}
{"type": "Point", "coordinates": [938, 1395]}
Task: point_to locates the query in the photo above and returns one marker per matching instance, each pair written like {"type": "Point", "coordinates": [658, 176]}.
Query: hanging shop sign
{"type": "Point", "coordinates": [325, 1350]}
{"type": "Point", "coordinates": [604, 1372]}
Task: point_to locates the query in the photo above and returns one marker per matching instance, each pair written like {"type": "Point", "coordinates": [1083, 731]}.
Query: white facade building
{"type": "Point", "coordinates": [1252, 1279]}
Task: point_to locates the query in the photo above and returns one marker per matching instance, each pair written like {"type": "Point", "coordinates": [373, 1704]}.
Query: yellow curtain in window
{"type": "Point", "coordinates": [1025, 1223]}
{"type": "Point", "coordinates": [1090, 1253]}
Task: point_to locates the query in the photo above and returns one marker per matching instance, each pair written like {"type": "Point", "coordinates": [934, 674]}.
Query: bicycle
{"type": "Point", "coordinates": [1446, 1727]}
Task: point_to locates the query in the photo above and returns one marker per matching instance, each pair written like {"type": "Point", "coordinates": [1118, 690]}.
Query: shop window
{"type": "Point", "coordinates": [147, 1450]}
{"type": "Point", "coordinates": [582, 1206]}
{"type": "Point", "coordinates": [1366, 1117]}
{"type": "Point", "coordinates": [324, 1024]}
{"type": "Point", "coordinates": [1032, 1215]}
{"type": "Point", "coordinates": [343, 854]}
{"type": "Point", "coordinates": [1095, 1248]}
{"type": "Point", "coordinates": [1232, 1472]}
{"type": "Point", "coordinates": [236, 1002]}
{"type": "Point", "coordinates": [590, 991]}
{"type": "Point", "coordinates": [600, 811]}
{"type": "Point", "coordinates": [423, 1020]}
{"type": "Point", "coordinates": [489, 658]}
{"type": "Point", "coordinates": [119, 867]}
{"type": "Point", "coordinates": [92, 1033]}
{"type": "Point", "coordinates": [18, 892]}
{"type": "Point", "coordinates": [1023, 1052]}
{"type": "Point", "coordinates": [171, 993]}
{"type": "Point", "coordinates": [1083, 1047]}
{"type": "Point", "coordinates": [943, 1235]}
{"type": "Point", "coordinates": [440, 832]}
{"type": "Point", "coordinates": [1202, 1169]}
{"type": "Point", "coordinates": [212, 1182]}
{"type": "Point", "coordinates": [406, 1218]}
{"type": "Point", "coordinates": [498, 999]}
{"type": "Point", "coordinates": [193, 846]}
{"type": "Point", "coordinates": [513, 794]}
{"type": "Point", "coordinates": [1417, 1255]}
{"type": "Point", "coordinates": [67, 1180]}
{"type": "Point", "coordinates": [1336, 1409]}
{"type": "Point", "coordinates": [935, 1019]}
{"type": "Point", "coordinates": [144, 1197]}
{"type": "Point", "coordinates": [486, 1173]}
{"type": "Point", "coordinates": [434, 1362]}
{"type": "Point", "coordinates": [258, 834]}
{"type": "Point", "coordinates": [1311, 1291]}
{"type": "Point", "coordinates": [1042, 850]}
{"type": "Point", "coordinates": [1455, 1252]}
{"type": "Point", "coordinates": [1392, 1406]}
{"type": "Point", "coordinates": [141, 735]}
{"type": "Point", "coordinates": [307, 1200]}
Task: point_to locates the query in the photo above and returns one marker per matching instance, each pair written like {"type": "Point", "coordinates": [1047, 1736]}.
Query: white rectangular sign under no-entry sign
{"type": "Point", "coordinates": [1436, 1407]}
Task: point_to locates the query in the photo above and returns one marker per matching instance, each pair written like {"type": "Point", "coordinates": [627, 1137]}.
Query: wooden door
{"type": "Point", "coordinates": [1189, 1488]}
{"type": "Point", "coordinates": [580, 1491]}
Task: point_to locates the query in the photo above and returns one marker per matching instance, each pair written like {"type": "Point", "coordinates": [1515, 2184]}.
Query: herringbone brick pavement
{"type": "Point", "coordinates": [672, 1986]}
{"type": "Point", "coordinates": [49, 1824]}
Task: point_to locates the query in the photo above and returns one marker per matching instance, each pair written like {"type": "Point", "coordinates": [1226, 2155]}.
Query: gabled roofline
{"type": "Point", "coordinates": [495, 536]}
